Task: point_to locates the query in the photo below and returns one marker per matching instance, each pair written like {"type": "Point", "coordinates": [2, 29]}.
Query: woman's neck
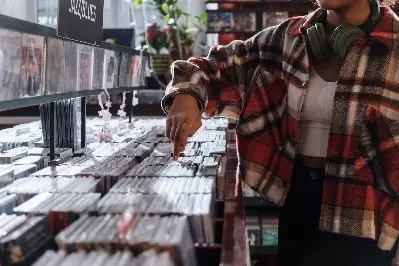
{"type": "Point", "coordinates": [355, 14]}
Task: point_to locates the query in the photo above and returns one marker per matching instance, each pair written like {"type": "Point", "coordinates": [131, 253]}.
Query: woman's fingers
{"type": "Point", "coordinates": [179, 139]}
{"type": "Point", "coordinates": [168, 127]}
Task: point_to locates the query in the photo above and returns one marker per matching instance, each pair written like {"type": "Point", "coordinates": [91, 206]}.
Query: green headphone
{"type": "Point", "coordinates": [342, 37]}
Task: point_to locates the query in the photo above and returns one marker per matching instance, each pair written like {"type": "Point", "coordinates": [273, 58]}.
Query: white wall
{"type": "Point", "coordinates": [22, 9]}
{"type": "Point", "coordinates": [116, 14]}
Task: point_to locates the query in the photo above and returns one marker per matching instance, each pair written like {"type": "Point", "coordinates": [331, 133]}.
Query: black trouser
{"type": "Point", "coordinates": [301, 242]}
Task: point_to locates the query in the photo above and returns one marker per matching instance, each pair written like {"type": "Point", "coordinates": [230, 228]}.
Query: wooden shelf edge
{"type": "Point", "coordinates": [263, 250]}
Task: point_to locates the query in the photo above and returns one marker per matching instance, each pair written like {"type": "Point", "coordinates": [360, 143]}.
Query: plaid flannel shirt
{"type": "Point", "coordinates": [263, 82]}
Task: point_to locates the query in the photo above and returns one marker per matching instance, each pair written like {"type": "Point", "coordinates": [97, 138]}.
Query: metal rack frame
{"type": "Point", "coordinates": [11, 23]}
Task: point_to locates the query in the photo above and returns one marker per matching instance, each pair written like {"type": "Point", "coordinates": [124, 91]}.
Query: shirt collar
{"type": "Point", "coordinates": [386, 30]}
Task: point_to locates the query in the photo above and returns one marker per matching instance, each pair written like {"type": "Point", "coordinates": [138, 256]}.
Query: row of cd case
{"type": "Point", "coordinates": [32, 65]}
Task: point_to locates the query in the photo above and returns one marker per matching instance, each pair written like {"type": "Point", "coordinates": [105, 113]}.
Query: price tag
{"type": "Point", "coordinates": [81, 20]}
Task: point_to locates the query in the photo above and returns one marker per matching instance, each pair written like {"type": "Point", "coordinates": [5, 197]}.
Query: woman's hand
{"type": "Point", "coordinates": [184, 119]}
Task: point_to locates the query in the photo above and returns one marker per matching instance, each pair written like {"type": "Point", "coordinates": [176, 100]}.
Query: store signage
{"type": "Point", "coordinates": [81, 20]}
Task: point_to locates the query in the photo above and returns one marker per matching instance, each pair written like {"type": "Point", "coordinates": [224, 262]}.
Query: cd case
{"type": "Point", "coordinates": [10, 64]}
{"type": "Point", "coordinates": [32, 65]}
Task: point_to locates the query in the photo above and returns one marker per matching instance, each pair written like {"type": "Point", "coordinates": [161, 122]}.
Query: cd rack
{"type": "Point", "coordinates": [84, 197]}
{"type": "Point", "coordinates": [54, 175]}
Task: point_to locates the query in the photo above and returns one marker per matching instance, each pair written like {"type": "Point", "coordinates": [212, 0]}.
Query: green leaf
{"type": "Point", "coordinates": [202, 17]}
{"type": "Point", "coordinates": [167, 18]}
{"type": "Point", "coordinates": [165, 8]}
{"type": "Point", "coordinates": [179, 12]}
{"type": "Point", "coordinates": [138, 3]}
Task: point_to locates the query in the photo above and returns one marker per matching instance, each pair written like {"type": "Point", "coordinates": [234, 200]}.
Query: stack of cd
{"type": "Point", "coordinates": [47, 202]}
{"type": "Point", "coordinates": [24, 135]}
{"type": "Point", "coordinates": [21, 236]}
{"type": "Point", "coordinates": [65, 123]}
{"type": "Point", "coordinates": [23, 170]}
{"type": "Point", "coordinates": [39, 161]}
{"type": "Point", "coordinates": [199, 209]}
{"type": "Point", "coordinates": [212, 136]}
{"type": "Point", "coordinates": [142, 170]}
{"type": "Point", "coordinates": [165, 185]}
{"type": "Point", "coordinates": [136, 171]}
{"type": "Point", "coordinates": [62, 209]}
{"type": "Point", "coordinates": [169, 233]}
{"type": "Point", "coordinates": [6, 175]}
{"type": "Point", "coordinates": [13, 155]}
{"type": "Point", "coordinates": [120, 258]}
{"type": "Point", "coordinates": [28, 187]}
{"type": "Point", "coordinates": [7, 202]}
{"type": "Point", "coordinates": [129, 149]}
{"type": "Point", "coordinates": [108, 170]}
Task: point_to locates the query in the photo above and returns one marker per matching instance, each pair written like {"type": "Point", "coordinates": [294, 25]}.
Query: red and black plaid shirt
{"type": "Point", "coordinates": [263, 82]}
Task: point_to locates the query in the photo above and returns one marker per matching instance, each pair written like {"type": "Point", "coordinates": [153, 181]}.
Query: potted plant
{"type": "Point", "coordinates": [157, 42]}
{"type": "Point", "coordinates": [180, 36]}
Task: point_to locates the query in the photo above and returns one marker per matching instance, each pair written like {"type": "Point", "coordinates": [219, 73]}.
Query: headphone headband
{"type": "Point", "coordinates": [366, 27]}
{"type": "Point", "coordinates": [342, 37]}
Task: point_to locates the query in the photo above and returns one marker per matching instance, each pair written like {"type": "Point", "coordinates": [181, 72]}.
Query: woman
{"type": "Point", "coordinates": [318, 107]}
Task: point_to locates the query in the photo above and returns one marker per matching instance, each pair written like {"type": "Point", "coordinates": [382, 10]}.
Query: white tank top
{"type": "Point", "coordinates": [316, 117]}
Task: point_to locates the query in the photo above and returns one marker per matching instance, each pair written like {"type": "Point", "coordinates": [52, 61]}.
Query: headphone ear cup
{"type": "Point", "coordinates": [324, 45]}
{"type": "Point", "coordinates": [315, 42]}
{"type": "Point", "coordinates": [343, 38]}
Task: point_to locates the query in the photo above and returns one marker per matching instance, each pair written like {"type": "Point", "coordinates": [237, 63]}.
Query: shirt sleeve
{"type": "Point", "coordinates": [385, 126]}
{"type": "Point", "coordinates": [220, 82]}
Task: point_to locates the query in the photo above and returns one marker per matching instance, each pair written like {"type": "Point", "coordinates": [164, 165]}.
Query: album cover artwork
{"type": "Point", "coordinates": [220, 22]}
{"type": "Point", "coordinates": [123, 70]}
{"type": "Point", "coordinates": [274, 18]}
{"type": "Point", "coordinates": [144, 62]}
{"type": "Point", "coordinates": [98, 69]}
{"type": "Point", "coordinates": [85, 73]}
{"type": "Point", "coordinates": [244, 22]}
{"type": "Point", "coordinates": [10, 64]}
{"type": "Point", "coordinates": [139, 71]}
{"type": "Point", "coordinates": [55, 67]}
{"type": "Point", "coordinates": [31, 65]}
{"type": "Point", "coordinates": [132, 70]}
{"type": "Point", "coordinates": [110, 69]}
{"type": "Point", "coordinates": [71, 66]}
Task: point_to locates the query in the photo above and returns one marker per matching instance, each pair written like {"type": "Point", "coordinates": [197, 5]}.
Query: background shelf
{"type": "Point", "coordinates": [258, 202]}
{"type": "Point", "coordinates": [32, 101]}
{"type": "Point", "coordinates": [263, 250]}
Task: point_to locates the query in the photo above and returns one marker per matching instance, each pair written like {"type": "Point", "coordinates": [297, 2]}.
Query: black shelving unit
{"type": "Point", "coordinates": [259, 7]}
{"type": "Point", "coordinates": [22, 26]}
{"type": "Point", "coordinates": [32, 101]}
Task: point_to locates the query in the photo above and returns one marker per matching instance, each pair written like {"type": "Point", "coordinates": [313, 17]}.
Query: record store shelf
{"type": "Point", "coordinates": [11, 23]}
{"type": "Point", "coordinates": [229, 248]}
{"type": "Point", "coordinates": [31, 101]}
